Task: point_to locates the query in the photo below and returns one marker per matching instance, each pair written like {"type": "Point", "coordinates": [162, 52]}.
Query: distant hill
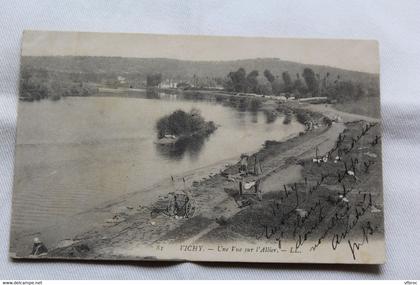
{"type": "Point", "coordinates": [179, 69]}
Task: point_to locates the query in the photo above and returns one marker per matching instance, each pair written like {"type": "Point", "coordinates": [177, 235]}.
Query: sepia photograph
{"type": "Point", "coordinates": [199, 148]}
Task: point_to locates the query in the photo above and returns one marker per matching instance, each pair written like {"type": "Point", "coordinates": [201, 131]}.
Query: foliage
{"type": "Point", "coordinates": [345, 90]}
{"type": "Point", "coordinates": [288, 85]}
{"type": "Point", "coordinates": [264, 86]}
{"type": "Point", "coordinates": [252, 81]}
{"type": "Point", "coordinates": [305, 85]}
{"type": "Point", "coordinates": [299, 88]}
{"type": "Point", "coordinates": [270, 77]}
{"type": "Point", "coordinates": [153, 80]}
{"type": "Point", "coordinates": [37, 85]}
{"type": "Point", "coordinates": [239, 81]}
{"type": "Point", "coordinates": [311, 81]}
{"type": "Point", "coordinates": [181, 123]}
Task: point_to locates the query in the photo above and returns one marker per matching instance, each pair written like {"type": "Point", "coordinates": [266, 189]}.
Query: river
{"type": "Point", "coordinates": [76, 153]}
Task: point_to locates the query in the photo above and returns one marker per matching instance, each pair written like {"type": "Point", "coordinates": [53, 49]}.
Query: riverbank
{"type": "Point", "coordinates": [220, 221]}
{"type": "Point", "coordinates": [271, 105]}
{"type": "Point", "coordinates": [122, 227]}
{"type": "Point", "coordinates": [102, 217]}
{"type": "Point", "coordinates": [78, 169]}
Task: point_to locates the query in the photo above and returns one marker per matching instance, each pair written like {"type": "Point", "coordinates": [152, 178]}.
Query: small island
{"type": "Point", "coordinates": [181, 124]}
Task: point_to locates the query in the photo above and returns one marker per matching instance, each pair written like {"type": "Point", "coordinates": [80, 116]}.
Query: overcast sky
{"type": "Point", "coordinates": [359, 55]}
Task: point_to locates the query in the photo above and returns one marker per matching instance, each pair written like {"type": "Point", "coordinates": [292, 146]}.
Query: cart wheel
{"type": "Point", "coordinates": [189, 210]}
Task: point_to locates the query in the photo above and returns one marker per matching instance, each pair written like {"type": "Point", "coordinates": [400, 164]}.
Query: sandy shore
{"type": "Point", "coordinates": [95, 218]}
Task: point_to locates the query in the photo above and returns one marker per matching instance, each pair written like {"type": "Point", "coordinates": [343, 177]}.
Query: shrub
{"type": "Point", "coordinates": [181, 123]}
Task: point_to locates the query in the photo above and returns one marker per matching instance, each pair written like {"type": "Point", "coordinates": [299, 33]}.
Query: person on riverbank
{"type": "Point", "coordinates": [244, 163]}
{"type": "Point", "coordinates": [38, 247]}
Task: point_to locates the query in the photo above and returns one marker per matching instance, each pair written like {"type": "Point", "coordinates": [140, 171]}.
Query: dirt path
{"type": "Point", "coordinates": [329, 111]}
{"type": "Point", "coordinates": [277, 172]}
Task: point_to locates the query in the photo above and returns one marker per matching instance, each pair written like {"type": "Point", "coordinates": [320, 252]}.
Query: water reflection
{"type": "Point", "coordinates": [254, 117]}
{"type": "Point", "coordinates": [126, 153]}
{"type": "Point", "coordinates": [241, 104]}
{"type": "Point", "coordinates": [270, 116]}
{"type": "Point", "coordinates": [248, 110]}
{"type": "Point", "coordinates": [189, 145]}
{"type": "Point", "coordinates": [152, 94]}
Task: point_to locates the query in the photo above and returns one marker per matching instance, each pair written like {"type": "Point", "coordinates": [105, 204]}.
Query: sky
{"type": "Point", "coordinates": [358, 55]}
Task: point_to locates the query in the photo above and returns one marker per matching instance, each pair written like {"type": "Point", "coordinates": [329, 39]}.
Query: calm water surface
{"type": "Point", "coordinates": [76, 153]}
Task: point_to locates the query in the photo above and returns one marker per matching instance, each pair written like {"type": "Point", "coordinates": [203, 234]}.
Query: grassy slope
{"type": "Point", "coordinates": [367, 106]}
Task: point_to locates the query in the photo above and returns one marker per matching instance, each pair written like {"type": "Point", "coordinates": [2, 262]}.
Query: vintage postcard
{"type": "Point", "coordinates": [199, 148]}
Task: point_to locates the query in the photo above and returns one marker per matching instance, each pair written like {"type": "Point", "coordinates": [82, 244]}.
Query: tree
{"type": "Point", "coordinates": [270, 77]}
{"type": "Point", "coordinates": [288, 86]}
{"type": "Point", "coordinates": [324, 84]}
{"type": "Point", "coordinates": [346, 91]}
{"type": "Point", "coordinates": [153, 80]}
{"type": "Point", "coordinates": [298, 86]}
{"type": "Point", "coordinates": [277, 86]}
{"type": "Point", "coordinates": [237, 80]}
{"type": "Point", "coordinates": [264, 86]}
{"type": "Point", "coordinates": [181, 123]}
{"type": "Point", "coordinates": [252, 81]}
{"type": "Point", "coordinates": [310, 80]}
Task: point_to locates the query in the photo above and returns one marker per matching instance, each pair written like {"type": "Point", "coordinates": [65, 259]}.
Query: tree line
{"type": "Point", "coordinates": [41, 84]}
{"type": "Point", "coordinates": [307, 84]}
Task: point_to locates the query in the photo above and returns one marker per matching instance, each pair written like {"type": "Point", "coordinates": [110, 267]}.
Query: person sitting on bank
{"type": "Point", "coordinates": [39, 247]}
{"type": "Point", "coordinates": [243, 167]}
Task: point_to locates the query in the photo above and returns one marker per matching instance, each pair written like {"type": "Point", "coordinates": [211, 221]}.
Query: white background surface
{"type": "Point", "coordinates": [396, 24]}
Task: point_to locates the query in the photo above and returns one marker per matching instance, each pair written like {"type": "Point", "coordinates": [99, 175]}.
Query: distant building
{"type": "Point", "coordinates": [121, 80]}
{"type": "Point", "coordinates": [183, 85]}
{"type": "Point", "coordinates": [167, 83]}
{"type": "Point", "coordinates": [205, 83]}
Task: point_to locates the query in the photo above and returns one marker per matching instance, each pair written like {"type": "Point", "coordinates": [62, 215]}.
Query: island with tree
{"type": "Point", "coordinates": [181, 124]}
